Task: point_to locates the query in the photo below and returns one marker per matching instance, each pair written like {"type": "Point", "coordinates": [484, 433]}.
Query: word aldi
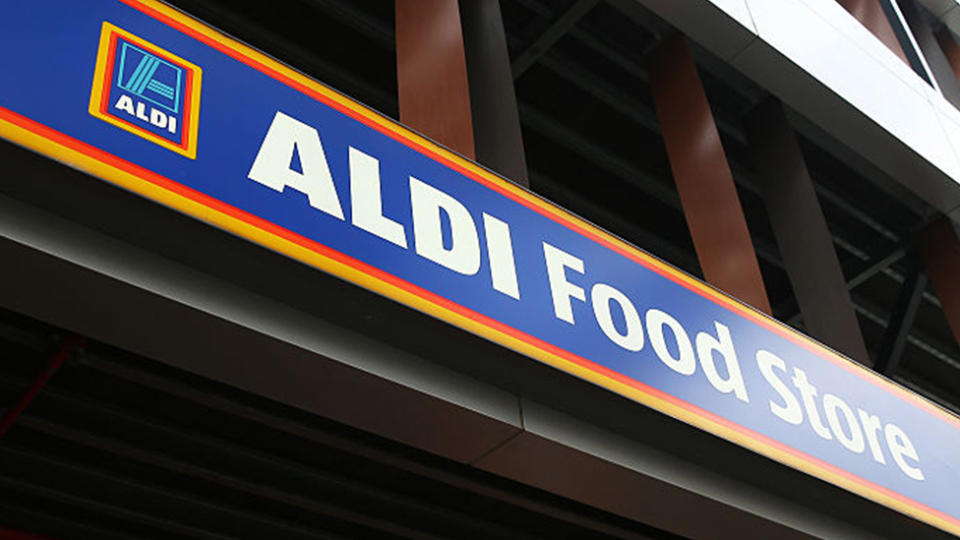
{"type": "Point", "coordinates": [146, 90]}
{"type": "Point", "coordinates": [289, 164]}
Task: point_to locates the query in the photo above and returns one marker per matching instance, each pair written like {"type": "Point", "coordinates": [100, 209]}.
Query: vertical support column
{"type": "Point", "coordinates": [432, 83]}
{"type": "Point", "coordinates": [496, 118]}
{"type": "Point", "coordinates": [951, 50]}
{"type": "Point", "coordinates": [707, 191]}
{"type": "Point", "coordinates": [940, 249]}
{"type": "Point", "coordinates": [870, 13]}
{"type": "Point", "coordinates": [801, 231]}
{"type": "Point", "coordinates": [933, 52]}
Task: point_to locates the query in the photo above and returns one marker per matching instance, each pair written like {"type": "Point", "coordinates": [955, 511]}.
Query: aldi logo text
{"type": "Point", "coordinates": [146, 91]}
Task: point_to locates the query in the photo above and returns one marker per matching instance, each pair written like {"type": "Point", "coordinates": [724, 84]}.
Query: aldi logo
{"type": "Point", "coordinates": [146, 90]}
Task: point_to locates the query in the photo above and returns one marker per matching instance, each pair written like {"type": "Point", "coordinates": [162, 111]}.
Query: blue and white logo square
{"type": "Point", "coordinates": [153, 80]}
{"type": "Point", "coordinates": [146, 90]}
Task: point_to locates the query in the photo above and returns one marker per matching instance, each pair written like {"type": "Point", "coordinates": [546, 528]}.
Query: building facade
{"type": "Point", "coordinates": [480, 269]}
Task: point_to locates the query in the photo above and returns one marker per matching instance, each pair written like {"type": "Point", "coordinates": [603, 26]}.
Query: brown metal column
{"type": "Point", "coordinates": [950, 48]}
{"type": "Point", "coordinates": [496, 118]}
{"type": "Point", "coordinates": [432, 82]}
{"type": "Point", "coordinates": [704, 181]}
{"type": "Point", "coordinates": [940, 248]}
{"type": "Point", "coordinates": [801, 231]}
{"type": "Point", "coordinates": [870, 14]}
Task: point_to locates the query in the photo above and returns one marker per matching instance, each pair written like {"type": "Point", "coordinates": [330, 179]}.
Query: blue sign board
{"type": "Point", "coordinates": [142, 96]}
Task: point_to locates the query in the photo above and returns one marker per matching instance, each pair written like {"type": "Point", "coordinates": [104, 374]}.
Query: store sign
{"type": "Point", "coordinates": [146, 90]}
{"type": "Point", "coordinates": [113, 87]}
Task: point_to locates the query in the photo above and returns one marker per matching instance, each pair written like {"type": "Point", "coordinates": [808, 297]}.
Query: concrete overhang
{"type": "Point", "coordinates": [822, 63]}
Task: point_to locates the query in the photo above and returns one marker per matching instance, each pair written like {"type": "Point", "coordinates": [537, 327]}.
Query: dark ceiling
{"type": "Point", "coordinates": [120, 447]}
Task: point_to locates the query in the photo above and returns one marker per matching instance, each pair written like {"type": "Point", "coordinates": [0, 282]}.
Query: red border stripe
{"type": "Point", "coordinates": [108, 76]}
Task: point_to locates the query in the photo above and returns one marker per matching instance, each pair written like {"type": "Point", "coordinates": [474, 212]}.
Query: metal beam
{"type": "Point", "coordinates": [879, 265]}
{"type": "Point", "coordinates": [922, 341]}
{"type": "Point", "coordinates": [901, 321]}
{"type": "Point", "coordinates": [551, 35]}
